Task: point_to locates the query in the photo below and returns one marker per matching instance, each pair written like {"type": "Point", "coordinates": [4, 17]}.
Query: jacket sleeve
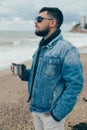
{"type": "Point", "coordinates": [26, 75]}
{"type": "Point", "coordinates": [72, 74]}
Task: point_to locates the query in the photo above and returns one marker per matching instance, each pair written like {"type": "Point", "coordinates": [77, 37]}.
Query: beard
{"type": "Point", "coordinates": [42, 33]}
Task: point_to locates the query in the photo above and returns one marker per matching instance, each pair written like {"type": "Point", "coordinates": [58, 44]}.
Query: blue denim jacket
{"type": "Point", "coordinates": [58, 81]}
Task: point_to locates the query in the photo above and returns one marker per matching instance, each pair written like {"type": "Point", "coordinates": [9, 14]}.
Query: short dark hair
{"type": "Point", "coordinates": [55, 13]}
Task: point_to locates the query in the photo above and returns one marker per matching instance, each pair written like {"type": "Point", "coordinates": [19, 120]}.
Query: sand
{"type": "Point", "coordinates": [14, 109]}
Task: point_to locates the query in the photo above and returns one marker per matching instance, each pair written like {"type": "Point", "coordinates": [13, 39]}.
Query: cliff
{"type": "Point", "coordinates": [77, 28]}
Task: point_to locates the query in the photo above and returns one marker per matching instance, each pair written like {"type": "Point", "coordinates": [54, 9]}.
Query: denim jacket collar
{"type": "Point", "coordinates": [53, 42]}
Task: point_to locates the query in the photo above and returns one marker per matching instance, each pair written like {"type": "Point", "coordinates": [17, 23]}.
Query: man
{"type": "Point", "coordinates": [56, 77]}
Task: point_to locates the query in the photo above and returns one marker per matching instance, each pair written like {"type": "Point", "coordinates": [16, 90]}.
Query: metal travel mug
{"type": "Point", "coordinates": [18, 69]}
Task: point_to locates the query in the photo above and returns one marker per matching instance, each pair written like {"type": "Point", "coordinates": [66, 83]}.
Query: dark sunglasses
{"type": "Point", "coordinates": [39, 19]}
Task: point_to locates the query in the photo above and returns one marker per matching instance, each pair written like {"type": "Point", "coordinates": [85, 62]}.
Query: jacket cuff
{"type": "Point", "coordinates": [55, 118]}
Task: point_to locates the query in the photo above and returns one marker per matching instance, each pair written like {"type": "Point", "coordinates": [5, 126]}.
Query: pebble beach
{"type": "Point", "coordinates": [14, 109]}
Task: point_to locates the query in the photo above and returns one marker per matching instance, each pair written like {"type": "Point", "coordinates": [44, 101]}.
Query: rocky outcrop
{"type": "Point", "coordinates": [77, 28]}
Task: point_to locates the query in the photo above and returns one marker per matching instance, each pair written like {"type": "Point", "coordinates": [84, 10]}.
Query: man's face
{"type": "Point", "coordinates": [42, 27]}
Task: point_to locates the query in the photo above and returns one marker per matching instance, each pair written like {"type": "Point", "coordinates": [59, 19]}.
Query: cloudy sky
{"type": "Point", "coordinates": [20, 14]}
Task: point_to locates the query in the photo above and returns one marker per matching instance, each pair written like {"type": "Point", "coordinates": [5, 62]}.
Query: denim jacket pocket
{"type": "Point", "coordinates": [52, 66]}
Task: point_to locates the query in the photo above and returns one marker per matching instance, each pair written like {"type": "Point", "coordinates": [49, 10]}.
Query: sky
{"type": "Point", "coordinates": [19, 15]}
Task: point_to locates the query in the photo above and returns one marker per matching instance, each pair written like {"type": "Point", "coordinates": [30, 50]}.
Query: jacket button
{"type": "Point", "coordinates": [50, 61]}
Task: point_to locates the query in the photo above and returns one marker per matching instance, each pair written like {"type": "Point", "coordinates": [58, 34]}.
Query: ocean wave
{"type": "Point", "coordinates": [15, 43]}
{"type": "Point", "coordinates": [18, 49]}
{"type": "Point", "coordinates": [2, 43]}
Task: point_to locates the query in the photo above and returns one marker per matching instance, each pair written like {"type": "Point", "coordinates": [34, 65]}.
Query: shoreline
{"type": "Point", "coordinates": [82, 50]}
{"type": "Point", "coordinates": [27, 62]}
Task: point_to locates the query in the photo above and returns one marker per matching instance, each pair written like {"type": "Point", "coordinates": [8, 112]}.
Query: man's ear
{"type": "Point", "coordinates": [53, 23]}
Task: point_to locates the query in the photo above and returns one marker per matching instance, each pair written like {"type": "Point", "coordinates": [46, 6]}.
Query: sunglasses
{"type": "Point", "coordinates": [39, 19]}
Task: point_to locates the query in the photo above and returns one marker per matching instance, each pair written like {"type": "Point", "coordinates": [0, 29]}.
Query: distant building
{"type": "Point", "coordinates": [80, 27]}
{"type": "Point", "coordinates": [83, 22]}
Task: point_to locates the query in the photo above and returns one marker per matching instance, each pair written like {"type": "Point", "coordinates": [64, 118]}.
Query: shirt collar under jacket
{"type": "Point", "coordinates": [49, 39]}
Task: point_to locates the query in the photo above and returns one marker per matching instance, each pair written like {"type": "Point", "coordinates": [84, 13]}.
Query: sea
{"type": "Point", "coordinates": [19, 46]}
